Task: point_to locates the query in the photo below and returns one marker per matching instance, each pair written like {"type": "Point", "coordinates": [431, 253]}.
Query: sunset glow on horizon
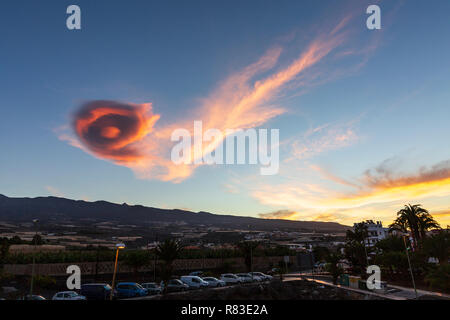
{"type": "Point", "coordinates": [362, 114]}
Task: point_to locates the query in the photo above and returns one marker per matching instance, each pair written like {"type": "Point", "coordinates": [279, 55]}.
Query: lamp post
{"type": "Point", "coordinates": [118, 247]}
{"type": "Point", "coordinates": [35, 222]}
{"type": "Point", "coordinates": [409, 263]}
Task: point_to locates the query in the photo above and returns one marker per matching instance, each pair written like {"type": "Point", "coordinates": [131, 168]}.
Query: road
{"type": "Point", "coordinates": [393, 292]}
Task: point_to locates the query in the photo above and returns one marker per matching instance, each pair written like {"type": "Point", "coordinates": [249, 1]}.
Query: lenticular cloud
{"type": "Point", "coordinates": [114, 130]}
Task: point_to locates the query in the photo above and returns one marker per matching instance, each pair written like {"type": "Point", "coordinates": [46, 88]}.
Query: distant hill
{"type": "Point", "coordinates": [60, 209]}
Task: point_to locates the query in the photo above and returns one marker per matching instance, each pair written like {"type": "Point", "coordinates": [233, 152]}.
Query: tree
{"type": "Point", "coordinates": [438, 246]}
{"type": "Point", "coordinates": [37, 240]}
{"type": "Point", "coordinates": [321, 253]}
{"type": "Point", "coordinates": [415, 220]}
{"type": "Point", "coordinates": [359, 234]}
{"type": "Point", "coordinates": [355, 247]}
{"type": "Point", "coordinates": [394, 264]}
{"type": "Point", "coordinates": [390, 244]}
{"type": "Point", "coordinates": [439, 277]}
{"type": "Point", "coordinates": [247, 248]}
{"type": "Point", "coordinates": [333, 266]}
{"type": "Point", "coordinates": [168, 252]}
{"type": "Point", "coordinates": [137, 259]}
{"type": "Point", "coordinates": [4, 250]}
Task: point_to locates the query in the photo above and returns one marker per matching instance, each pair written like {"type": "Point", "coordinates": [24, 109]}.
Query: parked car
{"type": "Point", "coordinates": [194, 282]}
{"type": "Point", "coordinates": [152, 288]}
{"type": "Point", "coordinates": [196, 273]}
{"type": "Point", "coordinates": [68, 295]}
{"type": "Point", "coordinates": [96, 291]}
{"type": "Point", "coordinates": [245, 277]}
{"type": "Point", "coordinates": [32, 297]}
{"type": "Point", "coordinates": [273, 271]}
{"type": "Point", "coordinates": [230, 278]}
{"type": "Point", "coordinates": [175, 285]}
{"type": "Point", "coordinates": [214, 282]}
{"type": "Point", "coordinates": [262, 276]}
{"type": "Point", "coordinates": [130, 290]}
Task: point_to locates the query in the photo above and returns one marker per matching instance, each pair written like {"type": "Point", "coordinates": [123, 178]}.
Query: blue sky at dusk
{"type": "Point", "coordinates": [363, 115]}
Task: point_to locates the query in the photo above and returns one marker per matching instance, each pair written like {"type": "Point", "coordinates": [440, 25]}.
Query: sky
{"type": "Point", "coordinates": [362, 114]}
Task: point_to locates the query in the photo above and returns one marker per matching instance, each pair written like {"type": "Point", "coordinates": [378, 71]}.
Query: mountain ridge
{"type": "Point", "coordinates": [62, 209]}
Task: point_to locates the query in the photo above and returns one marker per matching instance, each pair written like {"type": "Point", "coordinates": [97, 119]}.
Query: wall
{"type": "Point", "coordinates": [59, 269]}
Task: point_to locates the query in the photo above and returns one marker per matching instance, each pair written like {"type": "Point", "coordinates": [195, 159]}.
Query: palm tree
{"type": "Point", "coordinates": [247, 248]}
{"type": "Point", "coordinates": [168, 251]}
{"type": "Point", "coordinates": [416, 220]}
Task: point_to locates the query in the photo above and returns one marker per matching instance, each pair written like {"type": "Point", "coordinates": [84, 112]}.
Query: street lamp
{"type": "Point", "coordinates": [118, 247]}
{"type": "Point", "coordinates": [35, 222]}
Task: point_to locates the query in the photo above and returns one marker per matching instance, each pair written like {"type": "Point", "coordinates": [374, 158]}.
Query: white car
{"type": "Point", "coordinates": [230, 278]}
{"type": "Point", "coordinates": [262, 276]}
{"type": "Point", "coordinates": [214, 282]}
{"type": "Point", "coordinates": [246, 277]}
{"type": "Point", "coordinates": [68, 295]}
{"type": "Point", "coordinates": [194, 282]}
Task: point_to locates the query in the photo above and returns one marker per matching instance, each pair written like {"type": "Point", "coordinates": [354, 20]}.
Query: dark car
{"type": "Point", "coordinates": [32, 297]}
{"type": "Point", "coordinates": [96, 291]}
{"type": "Point", "coordinates": [130, 290]}
{"type": "Point", "coordinates": [152, 288]}
{"type": "Point", "coordinates": [175, 285]}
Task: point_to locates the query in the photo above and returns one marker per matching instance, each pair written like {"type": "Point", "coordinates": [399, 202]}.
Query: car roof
{"type": "Point", "coordinates": [133, 283]}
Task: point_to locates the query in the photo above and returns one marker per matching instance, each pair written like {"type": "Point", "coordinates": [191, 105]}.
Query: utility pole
{"type": "Point", "coordinates": [154, 259]}
{"type": "Point", "coordinates": [35, 222]}
{"type": "Point", "coordinates": [410, 268]}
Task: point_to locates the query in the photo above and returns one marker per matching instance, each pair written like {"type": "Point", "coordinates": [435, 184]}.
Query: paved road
{"type": "Point", "coordinates": [393, 292]}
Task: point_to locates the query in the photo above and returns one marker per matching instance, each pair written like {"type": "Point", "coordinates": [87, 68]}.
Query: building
{"type": "Point", "coordinates": [376, 232]}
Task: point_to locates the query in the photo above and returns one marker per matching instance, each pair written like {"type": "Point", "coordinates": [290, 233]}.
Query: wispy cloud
{"type": "Point", "coordinates": [280, 214]}
{"type": "Point", "coordinates": [323, 139]}
{"type": "Point", "coordinates": [378, 187]}
{"type": "Point", "coordinates": [245, 99]}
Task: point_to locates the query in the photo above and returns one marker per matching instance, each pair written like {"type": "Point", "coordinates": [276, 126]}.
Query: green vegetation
{"type": "Point", "coordinates": [247, 248]}
{"type": "Point", "coordinates": [43, 282]}
{"type": "Point", "coordinates": [168, 252]}
{"type": "Point", "coordinates": [415, 220]}
{"type": "Point", "coordinates": [333, 266]}
{"type": "Point", "coordinates": [390, 253]}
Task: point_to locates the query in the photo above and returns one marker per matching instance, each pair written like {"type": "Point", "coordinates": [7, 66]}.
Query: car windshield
{"type": "Point", "coordinates": [139, 286]}
{"type": "Point", "coordinates": [72, 294]}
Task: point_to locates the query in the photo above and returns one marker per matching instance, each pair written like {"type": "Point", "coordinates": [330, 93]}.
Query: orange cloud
{"type": "Point", "coordinates": [280, 214]}
{"type": "Point", "coordinates": [378, 191]}
{"type": "Point", "coordinates": [125, 134]}
{"type": "Point", "coordinates": [113, 130]}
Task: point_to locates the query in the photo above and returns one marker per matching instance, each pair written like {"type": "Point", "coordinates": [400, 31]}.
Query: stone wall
{"type": "Point", "coordinates": [59, 269]}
